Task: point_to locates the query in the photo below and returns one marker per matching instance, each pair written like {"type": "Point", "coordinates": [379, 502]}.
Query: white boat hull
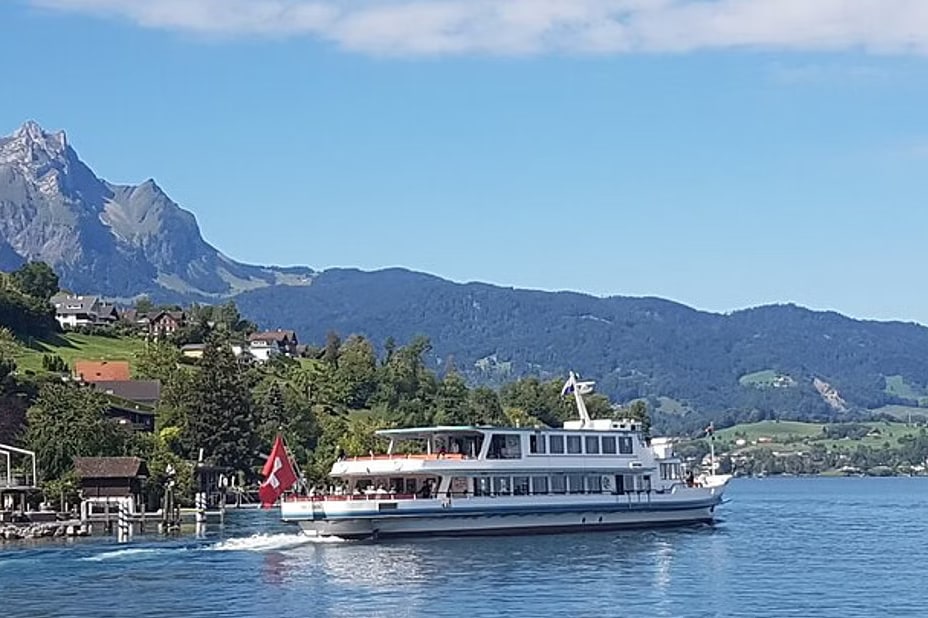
{"type": "Point", "coordinates": [488, 516]}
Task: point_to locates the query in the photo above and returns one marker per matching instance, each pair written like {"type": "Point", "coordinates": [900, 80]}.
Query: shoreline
{"type": "Point", "coordinates": [41, 530]}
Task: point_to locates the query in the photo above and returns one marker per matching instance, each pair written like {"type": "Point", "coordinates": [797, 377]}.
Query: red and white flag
{"type": "Point", "coordinates": [278, 475]}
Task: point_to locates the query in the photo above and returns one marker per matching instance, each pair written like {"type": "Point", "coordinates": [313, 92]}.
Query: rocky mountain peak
{"type": "Point", "coordinates": [31, 144]}
{"type": "Point", "coordinates": [116, 240]}
{"type": "Point", "coordinates": [41, 156]}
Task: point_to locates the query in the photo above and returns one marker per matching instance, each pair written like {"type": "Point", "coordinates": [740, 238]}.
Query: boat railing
{"type": "Point", "coordinates": [351, 497]}
{"type": "Point", "coordinates": [631, 494]}
{"type": "Point", "coordinates": [422, 456]}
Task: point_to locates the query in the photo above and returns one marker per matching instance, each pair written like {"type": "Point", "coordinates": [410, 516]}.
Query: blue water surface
{"type": "Point", "coordinates": [783, 547]}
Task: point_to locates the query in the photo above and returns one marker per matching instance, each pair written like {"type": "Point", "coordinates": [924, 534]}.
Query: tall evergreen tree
{"type": "Point", "coordinates": [451, 401]}
{"type": "Point", "coordinates": [221, 415]}
{"type": "Point", "coordinates": [333, 344]}
{"type": "Point", "coordinates": [158, 361]}
{"type": "Point", "coordinates": [484, 407]}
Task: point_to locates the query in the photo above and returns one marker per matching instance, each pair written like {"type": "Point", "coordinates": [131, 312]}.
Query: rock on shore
{"type": "Point", "coordinates": [18, 532]}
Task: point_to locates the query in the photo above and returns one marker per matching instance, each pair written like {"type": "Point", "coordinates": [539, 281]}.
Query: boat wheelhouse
{"type": "Point", "coordinates": [456, 480]}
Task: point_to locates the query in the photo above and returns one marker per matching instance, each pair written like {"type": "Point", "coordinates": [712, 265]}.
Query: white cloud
{"type": "Point", "coordinates": [514, 27]}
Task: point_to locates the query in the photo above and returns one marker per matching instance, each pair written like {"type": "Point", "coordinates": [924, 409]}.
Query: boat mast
{"type": "Point", "coordinates": [578, 389]}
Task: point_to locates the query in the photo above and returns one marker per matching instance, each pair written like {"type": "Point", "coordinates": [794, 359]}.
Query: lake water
{"type": "Point", "coordinates": [783, 547]}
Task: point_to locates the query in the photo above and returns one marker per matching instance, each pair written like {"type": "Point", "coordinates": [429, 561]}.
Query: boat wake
{"type": "Point", "coordinates": [253, 543]}
{"type": "Point", "coordinates": [127, 552]}
{"type": "Point", "coordinates": [270, 542]}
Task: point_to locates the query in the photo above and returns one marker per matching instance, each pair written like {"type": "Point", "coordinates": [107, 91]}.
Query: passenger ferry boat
{"type": "Point", "coordinates": [479, 480]}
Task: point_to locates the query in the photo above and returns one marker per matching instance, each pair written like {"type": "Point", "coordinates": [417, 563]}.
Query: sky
{"type": "Point", "coordinates": [721, 153]}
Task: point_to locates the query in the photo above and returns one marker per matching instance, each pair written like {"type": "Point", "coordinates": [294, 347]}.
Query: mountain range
{"type": "Point", "coordinates": [123, 241]}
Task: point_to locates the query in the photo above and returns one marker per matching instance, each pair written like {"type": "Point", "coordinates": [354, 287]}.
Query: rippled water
{"type": "Point", "coordinates": [784, 547]}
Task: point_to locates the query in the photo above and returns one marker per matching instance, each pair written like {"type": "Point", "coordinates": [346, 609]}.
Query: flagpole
{"type": "Point", "coordinates": [299, 473]}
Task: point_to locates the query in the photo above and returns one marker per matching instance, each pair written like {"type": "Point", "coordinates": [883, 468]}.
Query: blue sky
{"type": "Point", "coordinates": [723, 153]}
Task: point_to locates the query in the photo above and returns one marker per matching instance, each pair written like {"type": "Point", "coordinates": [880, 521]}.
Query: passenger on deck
{"type": "Point", "coordinates": [426, 490]}
{"type": "Point", "coordinates": [690, 479]}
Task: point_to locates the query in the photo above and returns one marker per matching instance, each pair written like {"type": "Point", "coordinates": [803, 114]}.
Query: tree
{"type": "Point", "coordinates": [69, 421]}
{"type": "Point", "coordinates": [638, 410]}
{"type": "Point", "coordinates": [406, 387]}
{"type": "Point", "coordinates": [158, 361]}
{"type": "Point", "coordinates": [360, 438]}
{"type": "Point", "coordinates": [177, 390]}
{"type": "Point", "coordinates": [314, 379]}
{"type": "Point", "coordinates": [333, 344]}
{"type": "Point", "coordinates": [273, 412]}
{"type": "Point", "coordinates": [484, 407]}
{"type": "Point", "coordinates": [220, 411]}
{"type": "Point", "coordinates": [356, 372]}
{"type": "Point", "coordinates": [229, 316]}
{"type": "Point", "coordinates": [389, 347]}
{"type": "Point", "coordinates": [287, 411]}
{"type": "Point", "coordinates": [8, 347]}
{"type": "Point", "coordinates": [144, 305]}
{"type": "Point", "coordinates": [541, 400]}
{"type": "Point", "coordinates": [36, 279]}
{"type": "Point", "coordinates": [54, 363]}
{"type": "Point", "coordinates": [451, 401]}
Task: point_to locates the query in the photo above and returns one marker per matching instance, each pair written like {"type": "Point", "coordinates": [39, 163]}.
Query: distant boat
{"type": "Point", "coordinates": [480, 480]}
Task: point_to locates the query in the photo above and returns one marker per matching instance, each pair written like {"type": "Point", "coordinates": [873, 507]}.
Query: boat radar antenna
{"type": "Point", "coordinates": [579, 389]}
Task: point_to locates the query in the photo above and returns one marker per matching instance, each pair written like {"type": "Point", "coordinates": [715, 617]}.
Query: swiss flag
{"type": "Point", "coordinates": [278, 475]}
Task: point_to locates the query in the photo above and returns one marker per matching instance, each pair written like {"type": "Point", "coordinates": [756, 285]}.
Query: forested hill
{"type": "Point", "coordinates": [761, 362]}
{"type": "Point", "coordinates": [125, 241]}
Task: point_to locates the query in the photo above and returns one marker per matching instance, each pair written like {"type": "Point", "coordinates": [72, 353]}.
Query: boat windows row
{"type": "Point", "coordinates": [555, 444]}
{"type": "Point", "coordinates": [559, 484]}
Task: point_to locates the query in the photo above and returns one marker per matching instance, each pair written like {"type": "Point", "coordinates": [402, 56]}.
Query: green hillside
{"type": "Point", "coordinates": [739, 367]}
{"type": "Point", "coordinates": [876, 448]}
{"type": "Point", "coordinates": [904, 413]}
{"type": "Point", "coordinates": [897, 386]}
{"type": "Point", "coordinates": [778, 431]}
{"type": "Point", "coordinates": [768, 378]}
{"type": "Point", "coordinates": [786, 436]}
{"type": "Point", "coordinates": [74, 346]}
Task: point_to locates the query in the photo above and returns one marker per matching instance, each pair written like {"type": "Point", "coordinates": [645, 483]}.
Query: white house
{"type": "Point", "coordinates": [74, 310]}
{"type": "Point", "coordinates": [265, 345]}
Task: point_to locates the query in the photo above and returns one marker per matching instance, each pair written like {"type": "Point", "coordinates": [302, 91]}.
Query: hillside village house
{"type": "Point", "coordinates": [73, 310]}
{"type": "Point", "coordinates": [266, 345]}
{"type": "Point", "coordinates": [192, 350]}
{"type": "Point", "coordinates": [137, 410]}
{"type": "Point", "coordinates": [136, 419]}
{"type": "Point", "coordinates": [165, 323]}
{"type": "Point", "coordinates": [144, 392]}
